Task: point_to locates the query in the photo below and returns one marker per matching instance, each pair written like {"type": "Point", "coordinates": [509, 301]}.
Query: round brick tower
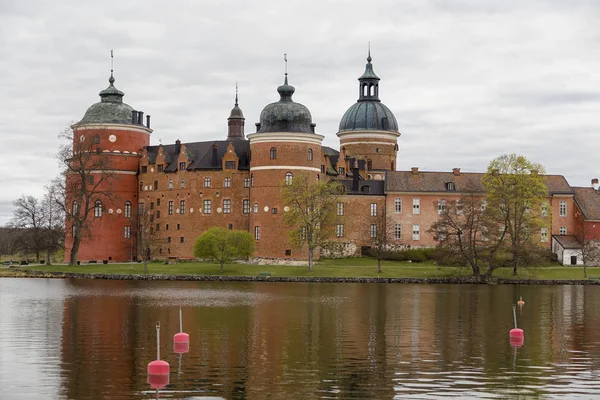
{"type": "Point", "coordinates": [284, 144]}
{"type": "Point", "coordinates": [368, 130]}
{"type": "Point", "coordinates": [115, 134]}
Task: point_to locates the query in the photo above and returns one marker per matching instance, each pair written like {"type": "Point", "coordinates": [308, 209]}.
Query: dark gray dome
{"type": "Point", "coordinates": [368, 115]}
{"type": "Point", "coordinates": [286, 115]}
{"type": "Point", "coordinates": [110, 109]}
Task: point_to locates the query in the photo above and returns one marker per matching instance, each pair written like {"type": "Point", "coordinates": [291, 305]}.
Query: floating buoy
{"type": "Point", "coordinates": [158, 370]}
{"type": "Point", "coordinates": [517, 336]}
{"type": "Point", "coordinates": [181, 340]}
{"type": "Point", "coordinates": [521, 302]}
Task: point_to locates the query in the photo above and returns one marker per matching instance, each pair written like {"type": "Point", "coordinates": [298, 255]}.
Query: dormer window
{"type": "Point", "coordinates": [450, 186]}
{"type": "Point", "coordinates": [182, 166]}
{"type": "Point", "coordinates": [160, 167]}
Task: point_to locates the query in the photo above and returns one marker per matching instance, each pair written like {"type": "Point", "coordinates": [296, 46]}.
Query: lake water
{"type": "Point", "coordinates": [92, 339]}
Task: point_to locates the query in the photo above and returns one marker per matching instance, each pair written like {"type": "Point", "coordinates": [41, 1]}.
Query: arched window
{"type": "Point", "coordinates": [127, 211]}
{"type": "Point", "coordinates": [310, 155]}
{"type": "Point", "coordinates": [273, 153]}
{"type": "Point", "coordinates": [365, 89]}
{"type": "Point", "coordinates": [98, 209]}
{"type": "Point", "coordinates": [288, 178]}
{"type": "Point", "coordinates": [75, 208]}
{"type": "Point", "coordinates": [371, 90]}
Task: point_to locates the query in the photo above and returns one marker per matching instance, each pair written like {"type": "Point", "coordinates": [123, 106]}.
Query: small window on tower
{"type": "Point", "coordinates": [182, 166]}
{"type": "Point", "coordinates": [229, 164]}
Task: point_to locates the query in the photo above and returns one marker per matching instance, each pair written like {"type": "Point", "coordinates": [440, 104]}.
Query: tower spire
{"type": "Point", "coordinates": [236, 93]}
{"type": "Point", "coordinates": [286, 74]}
{"type": "Point", "coordinates": [111, 80]}
{"type": "Point", "coordinates": [369, 57]}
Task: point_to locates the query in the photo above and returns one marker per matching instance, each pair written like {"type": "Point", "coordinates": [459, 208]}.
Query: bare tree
{"type": "Point", "coordinates": [86, 175]}
{"type": "Point", "coordinates": [29, 221]}
{"type": "Point", "coordinates": [147, 240]}
{"type": "Point", "coordinates": [379, 235]}
{"type": "Point", "coordinates": [54, 221]}
{"type": "Point", "coordinates": [590, 247]}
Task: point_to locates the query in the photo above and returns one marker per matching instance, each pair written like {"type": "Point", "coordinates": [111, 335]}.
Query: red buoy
{"type": "Point", "coordinates": [517, 336]}
{"type": "Point", "coordinates": [181, 340]}
{"type": "Point", "coordinates": [158, 370]}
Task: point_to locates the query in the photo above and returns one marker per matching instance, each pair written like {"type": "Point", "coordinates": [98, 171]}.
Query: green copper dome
{"type": "Point", "coordinates": [368, 113]}
{"type": "Point", "coordinates": [285, 115]}
{"type": "Point", "coordinates": [110, 109]}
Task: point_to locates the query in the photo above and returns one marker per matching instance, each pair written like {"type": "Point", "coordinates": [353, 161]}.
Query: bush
{"type": "Point", "coordinates": [413, 255]}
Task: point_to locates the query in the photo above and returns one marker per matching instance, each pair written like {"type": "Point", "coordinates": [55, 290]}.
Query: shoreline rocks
{"type": "Point", "coordinates": [291, 279]}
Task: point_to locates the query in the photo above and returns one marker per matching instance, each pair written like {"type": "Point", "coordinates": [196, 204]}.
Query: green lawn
{"type": "Point", "coordinates": [349, 267]}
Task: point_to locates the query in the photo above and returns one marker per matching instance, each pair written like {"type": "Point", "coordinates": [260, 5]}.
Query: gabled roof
{"type": "Point", "coordinates": [567, 241]}
{"type": "Point", "coordinates": [201, 154]}
{"type": "Point", "coordinates": [588, 201]}
{"type": "Point", "coordinates": [365, 187]}
{"type": "Point", "coordinates": [407, 181]}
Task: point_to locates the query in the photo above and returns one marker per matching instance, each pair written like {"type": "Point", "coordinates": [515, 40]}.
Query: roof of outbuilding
{"type": "Point", "coordinates": [588, 201]}
{"type": "Point", "coordinates": [407, 181]}
{"type": "Point", "coordinates": [568, 241]}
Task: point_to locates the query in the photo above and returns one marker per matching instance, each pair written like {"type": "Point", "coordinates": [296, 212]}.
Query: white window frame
{"type": "Point", "coordinates": [416, 232]}
{"type": "Point", "coordinates": [127, 209]}
{"type": "Point", "coordinates": [339, 230]}
{"type": "Point", "coordinates": [398, 205]}
{"type": "Point", "coordinates": [373, 231]}
{"type": "Point", "coordinates": [398, 231]}
{"type": "Point", "coordinates": [544, 235]}
{"type": "Point", "coordinates": [288, 178]}
{"type": "Point", "coordinates": [246, 206]}
{"type": "Point", "coordinates": [257, 233]}
{"type": "Point", "coordinates": [171, 184]}
{"type": "Point", "coordinates": [127, 232]}
{"type": "Point", "coordinates": [255, 208]}
{"type": "Point", "coordinates": [182, 207]}
{"type": "Point", "coordinates": [182, 183]}
{"type": "Point", "coordinates": [340, 208]}
{"type": "Point", "coordinates": [207, 181]}
{"type": "Point", "coordinates": [441, 206]}
{"type": "Point", "coordinates": [171, 207]}
{"type": "Point", "coordinates": [247, 182]}
{"type": "Point", "coordinates": [416, 206]}
{"type": "Point", "coordinates": [544, 211]}
{"type": "Point", "coordinates": [226, 206]}
{"type": "Point", "coordinates": [373, 209]}
{"type": "Point", "coordinates": [207, 206]}
{"type": "Point", "coordinates": [227, 182]}
{"type": "Point", "coordinates": [97, 209]}
{"type": "Point", "coordinates": [562, 230]}
{"type": "Point", "coordinates": [562, 208]}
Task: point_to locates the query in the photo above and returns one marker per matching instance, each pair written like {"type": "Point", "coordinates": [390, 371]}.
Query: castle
{"type": "Point", "coordinates": [235, 182]}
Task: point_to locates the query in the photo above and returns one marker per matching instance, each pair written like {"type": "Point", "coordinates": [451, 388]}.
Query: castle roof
{"type": "Point", "coordinates": [202, 155]}
{"type": "Point", "coordinates": [588, 201]}
{"type": "Point", "coordinates": [435, 182]}
{"type": "Point", "coordinates": [110, 109]}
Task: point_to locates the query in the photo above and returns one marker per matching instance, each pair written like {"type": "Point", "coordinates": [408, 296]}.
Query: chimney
{"type": "Point", "coordinates": [177, 146]}
{"type": "Point", "coordinates": [134, 117]}
{"type": "Point", "coordinates": [456, 171]}
{"type": "Point", "coordinates": [415, 170]}
{"type": "Point", "coordinates": [595, 183]}
{"type": "Point", "coordinates": [355, 179]}
{"type": "Point", "coordinates": [148, 121]}
{"type": "Point", "coordinates": [140, 120]}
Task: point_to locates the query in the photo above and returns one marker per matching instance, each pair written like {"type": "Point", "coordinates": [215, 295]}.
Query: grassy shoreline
{"type": "Point", "coordinates": [334, 268]}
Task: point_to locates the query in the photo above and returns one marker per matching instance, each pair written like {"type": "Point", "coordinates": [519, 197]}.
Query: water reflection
{"type": "Point", "coordinates": [79, 339]}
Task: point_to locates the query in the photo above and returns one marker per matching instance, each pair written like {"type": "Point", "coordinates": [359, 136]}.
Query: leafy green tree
{"type": "Point", "coordinates": [516, 194]}
{"type": "Point", "coordinates": [312, 211]}
{"type": "Point", "coordinates": [222, 245]}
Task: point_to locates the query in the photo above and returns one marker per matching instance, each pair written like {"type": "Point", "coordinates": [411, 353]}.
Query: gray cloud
{"type": "Point", "coordinates": [467, 80]}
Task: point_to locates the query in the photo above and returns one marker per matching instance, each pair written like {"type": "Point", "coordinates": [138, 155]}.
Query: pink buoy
{"type": "Point", "coordinates": [181, 340]}
{"type": "Point", "coordinates": [158, 370]}
{"type": "Point", "coordinates": [517, 336]}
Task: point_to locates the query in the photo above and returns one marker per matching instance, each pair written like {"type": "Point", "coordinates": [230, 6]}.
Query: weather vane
{"type": "Point", "coordinates": [285, 59]}
{"type": "Point", "coordinates": [112, 62]}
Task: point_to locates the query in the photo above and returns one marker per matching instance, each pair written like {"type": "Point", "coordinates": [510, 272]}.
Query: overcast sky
{"type": "Point", "coordinates": [468, 80]}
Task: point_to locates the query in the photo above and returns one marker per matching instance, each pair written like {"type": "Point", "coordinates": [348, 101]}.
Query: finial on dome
{"type": "Point", "coordinates": [236, 93]}
{"type": "Point", "coordinates": [285, 60]}
{"type": "Point", "coordinates": [111, 80]}
{"type": "Point", "coordinates": [369, 57]}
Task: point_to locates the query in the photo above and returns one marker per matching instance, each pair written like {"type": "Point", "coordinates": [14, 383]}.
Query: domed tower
{"type": "Point", "coordinates": [284, 145]}
{"type": "Point", "coordinates": [368, 130]}
{"type": "Point", "coordinates": [236, 121]}
{"type": "Point", "coordinates": [114, 134]}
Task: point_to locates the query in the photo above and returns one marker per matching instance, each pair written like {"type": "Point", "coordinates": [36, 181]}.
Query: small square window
{"type": "Point", "coordinates": [273, 210]}
{"type": "Point", "coordinates": [182, 166]}
{"type": "Point", "coordinates": [229, 164]}
{"type": "Point", "coordinates": [288, 252]}
{"type": "Point", "coordinates": [160, 167]}
{"type": "Point", "coordinates": [144, 169]}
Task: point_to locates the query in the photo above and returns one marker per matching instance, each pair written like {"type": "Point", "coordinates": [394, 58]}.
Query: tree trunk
{"type": "Point", "coordinates": [584, 270]}
{"type": "Point", "coordinates": [310, 259]}
{"type": "Point", "coordinates": [47, 256]}
{"type": "Point", "coordinates": [37, 256]}
{"type": "Point", "coordinates": [379, 265]}
{"type": "Point", "coordinates": [145, 265]}
{"type": "Point", "coordinates": [74, 251]}
{"type": "Point", "coordinates": [222, 267]}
